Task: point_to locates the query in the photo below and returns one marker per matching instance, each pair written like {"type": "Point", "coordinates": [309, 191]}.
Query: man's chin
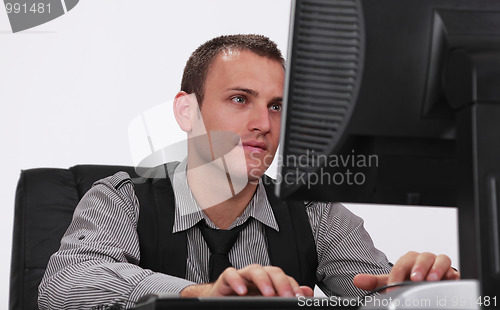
{"type": "Point", "coordinates": [254, 174]}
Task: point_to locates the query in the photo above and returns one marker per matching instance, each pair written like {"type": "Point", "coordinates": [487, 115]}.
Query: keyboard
{"type": "Point", "coordinates": [173, 302]}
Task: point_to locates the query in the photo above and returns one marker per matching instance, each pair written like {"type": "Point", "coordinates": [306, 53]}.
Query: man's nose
{"type": "Point", "coordinates": [259, 119]}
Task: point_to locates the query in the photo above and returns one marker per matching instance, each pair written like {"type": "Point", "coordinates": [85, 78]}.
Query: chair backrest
{"type": "Point", "coordinates": [44, 205]}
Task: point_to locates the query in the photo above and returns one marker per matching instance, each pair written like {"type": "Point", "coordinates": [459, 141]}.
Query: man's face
{"type": "Point", "coordinates": [243, 95]}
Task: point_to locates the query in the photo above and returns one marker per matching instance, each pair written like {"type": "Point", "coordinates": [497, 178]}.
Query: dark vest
{"type": "Point", "coordinates": [292, 248]}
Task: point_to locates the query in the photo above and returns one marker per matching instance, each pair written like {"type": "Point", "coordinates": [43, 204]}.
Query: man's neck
{"type": "Point", "coordinates": [225, 213]}
{"type": "Point", "coordinates": [216, 196]}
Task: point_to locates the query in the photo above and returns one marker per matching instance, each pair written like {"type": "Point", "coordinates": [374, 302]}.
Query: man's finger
{"type": "Point", "coordinates": [307, 291]}
{"type": "Point", "coordinates": [283, 284]}
{"type": "Point", "coordinates": [441, 265]}
{"type": "Point", "coordinates": [296, 289]}
{"type": "Point", "coordinates": [400, 272]}
{"type": "Point", "coordinates": [258, 276]}
{"type": "Point", "coordinates": [369, 282]}
{"type": "Point", "coordinates": [423, 264]}
{"type": "Point", "coordinates": [230, 281]}
{"type": "Point", "coordinates": [452, 274]}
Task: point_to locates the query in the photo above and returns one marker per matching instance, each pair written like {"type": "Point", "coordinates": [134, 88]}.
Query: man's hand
{"type": "Point", "coordinates": [251, 280]}
{"type": "Point", "coordinates": [412, 266]}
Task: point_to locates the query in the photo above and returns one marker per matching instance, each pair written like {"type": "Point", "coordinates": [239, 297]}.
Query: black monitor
{"type": "Point", "coordinates": [398, 102]}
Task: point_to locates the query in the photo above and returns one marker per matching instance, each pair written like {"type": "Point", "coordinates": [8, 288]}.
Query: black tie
{"type": "Point", "coordinates": [219, 242]}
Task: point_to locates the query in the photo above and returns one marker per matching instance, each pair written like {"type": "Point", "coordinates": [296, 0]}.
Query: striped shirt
{"type": "Point", "coordinates": [97, 263]}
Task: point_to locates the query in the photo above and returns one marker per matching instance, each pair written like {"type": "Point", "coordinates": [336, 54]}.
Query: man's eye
{"type": "Point", "coordinates": [276, 107]}
{"type": "Point", "coordinates": [239, 99]}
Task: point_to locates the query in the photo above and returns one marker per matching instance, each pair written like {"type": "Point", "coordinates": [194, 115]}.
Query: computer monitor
{"type": "Point", "coordinates": [398, 102]}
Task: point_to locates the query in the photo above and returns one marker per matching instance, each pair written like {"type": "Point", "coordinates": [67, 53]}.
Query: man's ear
{"type": "Point", "coordinates": [182, 111]}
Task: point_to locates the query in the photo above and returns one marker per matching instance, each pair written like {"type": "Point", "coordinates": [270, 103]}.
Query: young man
{"type": "Point", "coordinates": [233, 124]}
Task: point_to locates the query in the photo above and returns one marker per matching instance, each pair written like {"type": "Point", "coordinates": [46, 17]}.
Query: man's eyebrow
{"type": "Point", "coordinates": [245, 90]}
{"type": "Point", "coordinates": [253, 93]}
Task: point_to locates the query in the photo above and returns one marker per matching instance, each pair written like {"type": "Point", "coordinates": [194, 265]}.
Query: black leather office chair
{"type": "Point", "coordinates": [45, 201]}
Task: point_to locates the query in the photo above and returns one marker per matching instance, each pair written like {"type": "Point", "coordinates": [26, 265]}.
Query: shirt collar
{"type": "Point", "coordinates": [188, 213]}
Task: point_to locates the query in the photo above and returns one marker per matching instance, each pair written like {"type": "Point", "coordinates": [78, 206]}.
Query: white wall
{"type": "Point", "coordinates": [69, 88]}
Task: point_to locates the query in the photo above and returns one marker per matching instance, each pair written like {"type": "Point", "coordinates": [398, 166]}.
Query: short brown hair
{"type": "Point", "coordinates": [197, 66]}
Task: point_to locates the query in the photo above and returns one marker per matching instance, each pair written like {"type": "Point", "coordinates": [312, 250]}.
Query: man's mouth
{"type": "Point", "coordinates": [254, 146]}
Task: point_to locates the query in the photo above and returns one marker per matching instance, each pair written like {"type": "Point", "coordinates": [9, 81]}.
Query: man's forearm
{"type": "Point", "coordinates": [196, 290]}
{"type": "Point", "coordinates": [97, 263]}
{"type": "Point", "coordinates": [87, 285]}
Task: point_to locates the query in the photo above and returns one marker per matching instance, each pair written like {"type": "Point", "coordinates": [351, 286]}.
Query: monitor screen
{"type": "Point", "coordinates": [396, 102]}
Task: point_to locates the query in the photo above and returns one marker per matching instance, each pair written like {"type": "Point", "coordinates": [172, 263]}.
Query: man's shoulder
{"type": "Point", "coordinates": [146, 176]}
{"type": "Point", "coordinates": [115, 181]}
{"type": "Point", "coordinates": [330, 207]}
{"type": "Point", "coordinates": [329, 213]}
